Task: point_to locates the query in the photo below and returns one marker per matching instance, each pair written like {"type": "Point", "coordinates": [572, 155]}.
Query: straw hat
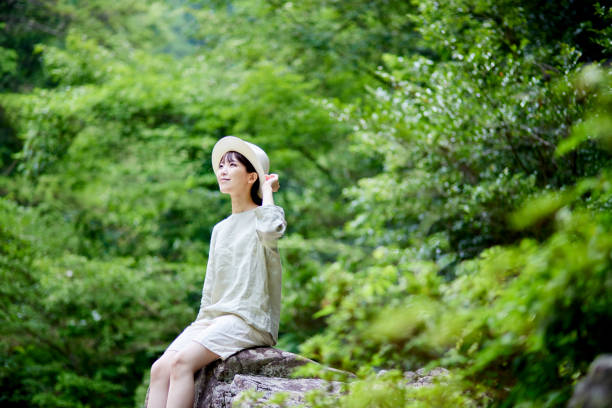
{"type": "Point", "coordinates": [253, 153]}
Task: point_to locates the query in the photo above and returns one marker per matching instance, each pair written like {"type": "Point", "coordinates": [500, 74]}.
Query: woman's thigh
{"type": "Point", "coordinates": [194, 356]}
{"type": "Point", "coordinates": [227, 334]}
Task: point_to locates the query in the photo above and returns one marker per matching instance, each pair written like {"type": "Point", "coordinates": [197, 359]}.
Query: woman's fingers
{"type": "Point", "coordinates": [272, 180]}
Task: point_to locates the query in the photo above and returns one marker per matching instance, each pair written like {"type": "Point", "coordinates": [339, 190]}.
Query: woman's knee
{"type": "Point", "coordinates": [161, 368]}
{"type": "Point", "coordinates": [181, 365]}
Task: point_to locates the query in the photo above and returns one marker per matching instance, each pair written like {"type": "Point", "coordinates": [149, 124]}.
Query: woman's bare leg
{"type": "Point", "coordinates": [160, 380]}
{"type": "Point", "coordinates": [185, 364]}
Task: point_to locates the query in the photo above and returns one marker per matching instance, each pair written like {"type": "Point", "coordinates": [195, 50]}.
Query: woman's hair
{"type": "Point", "coordinates": [232, 155]}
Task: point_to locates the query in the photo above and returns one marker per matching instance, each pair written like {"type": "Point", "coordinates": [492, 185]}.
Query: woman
{"type": "Point", "coordinates": [240, 305]}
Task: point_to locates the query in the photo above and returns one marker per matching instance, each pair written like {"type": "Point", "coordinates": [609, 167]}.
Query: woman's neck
{"type": "Point", "coordinates": [241, 204]}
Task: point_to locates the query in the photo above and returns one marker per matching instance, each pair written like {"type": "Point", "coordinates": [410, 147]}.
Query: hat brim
{"type": "Point", "coordinates": [233, 143]}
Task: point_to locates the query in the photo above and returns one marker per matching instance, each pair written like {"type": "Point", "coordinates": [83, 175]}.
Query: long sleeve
{"type": "Point", "coordinates": [270, 224]}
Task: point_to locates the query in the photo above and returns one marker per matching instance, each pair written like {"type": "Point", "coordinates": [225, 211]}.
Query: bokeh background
{"type": "Point", "coordinates": [445, 170]}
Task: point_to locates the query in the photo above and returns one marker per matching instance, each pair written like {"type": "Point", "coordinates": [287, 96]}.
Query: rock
{"type": "Point", "coordinates": [421, 377]}
{"type": "Point", "coordinates": [595, 390]}
{"type": "Point", "coordinates": [263, 369]}
{"type": "Point", "coordinates": [293, 388]}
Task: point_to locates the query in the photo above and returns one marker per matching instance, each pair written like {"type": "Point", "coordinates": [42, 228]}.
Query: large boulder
{"type": "Point", "coordinates": [595, 390]}
{"type": "Point", "coordinates": [294, 390]}
{"type": "Point", "coordinates": [263, 369]}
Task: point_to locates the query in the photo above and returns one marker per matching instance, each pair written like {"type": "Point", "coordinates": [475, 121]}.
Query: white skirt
{"type": "Point", "coordinates": [223, 335]}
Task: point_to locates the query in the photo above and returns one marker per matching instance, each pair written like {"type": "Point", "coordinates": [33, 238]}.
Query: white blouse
{"type": "Point", "coordinates": [243, 274]}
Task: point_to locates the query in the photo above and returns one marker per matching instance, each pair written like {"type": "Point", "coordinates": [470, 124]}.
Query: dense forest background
{"type": "Point", "coordinates": [445, 170]}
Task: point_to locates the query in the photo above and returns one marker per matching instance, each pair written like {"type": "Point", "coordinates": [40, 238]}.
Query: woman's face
{"type": "Point", "coordinates": [232, 176]}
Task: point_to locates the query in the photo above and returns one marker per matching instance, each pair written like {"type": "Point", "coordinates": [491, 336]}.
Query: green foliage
{"type": "Point", "coordinates": [444, 167]}
{"type": "Point", "coordinates": [8, 61]}
{"type": "Point", "coordinates": [464, 142]}
{"type": "Point", "coordinates": [75, 329]}
{"type": "Point", "coordinates": [467, 138]}
{"type": "Point", "coordinates": [22, 26]}
{"type": "Point", "coordinates": [592, 81]}
{"type": "Point", "coordinates": [519, 324]}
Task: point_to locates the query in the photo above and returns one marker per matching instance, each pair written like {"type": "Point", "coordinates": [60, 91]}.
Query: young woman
{"type": "Point", "coordinates": [240, 305]}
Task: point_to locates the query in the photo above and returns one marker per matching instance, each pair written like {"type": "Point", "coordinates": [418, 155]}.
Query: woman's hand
{"type": "Point", "coordinates": [271, 183]}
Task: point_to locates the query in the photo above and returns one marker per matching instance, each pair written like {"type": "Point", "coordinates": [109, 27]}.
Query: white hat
{"type": "Point", "coordinates": [253, 153]}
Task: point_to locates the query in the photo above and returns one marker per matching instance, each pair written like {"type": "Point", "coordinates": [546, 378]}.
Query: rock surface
{"type": "Point", "coordinates": [595, 390]}
{"type": "Point", "coordinates": [422, 377]}
{"type": "Point", "coordinates": [293, 388]}
{"type": "Point", "coordinates": [263, 369]}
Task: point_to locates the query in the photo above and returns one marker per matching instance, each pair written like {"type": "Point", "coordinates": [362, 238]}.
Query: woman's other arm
{"type": "Point", "coordinates": [268, 187]}
{"type": "Point", "coordinates": [271, 222]}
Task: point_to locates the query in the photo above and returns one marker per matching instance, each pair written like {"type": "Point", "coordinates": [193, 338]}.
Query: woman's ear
{"type": "Point", "coordinates": [252, 177]}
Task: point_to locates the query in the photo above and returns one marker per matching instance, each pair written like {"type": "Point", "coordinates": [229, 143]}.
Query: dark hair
{"type": "Point", "coordinates": [232, 155]}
